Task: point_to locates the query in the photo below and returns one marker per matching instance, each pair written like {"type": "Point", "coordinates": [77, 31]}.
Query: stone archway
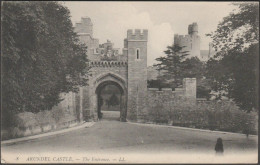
{"type": "Point", "coordinates": [109, 79]}
{"type": "Point", "coordinates": [121, 99]}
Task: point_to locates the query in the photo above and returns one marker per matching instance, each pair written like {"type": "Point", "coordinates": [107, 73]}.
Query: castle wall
{"type": "Point", "coordinates": [167, 95]}
{"type": "Point", "coordinates": [165, 99]}
{"type": "Point", "coordinates": [189, 85]}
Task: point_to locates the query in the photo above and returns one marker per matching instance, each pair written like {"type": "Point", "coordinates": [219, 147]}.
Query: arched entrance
{"type": "Point", "coordinates": [111, 98]}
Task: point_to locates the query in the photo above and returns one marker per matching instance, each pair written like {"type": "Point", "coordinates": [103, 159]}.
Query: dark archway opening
{"type": "Point", "coordinates": [111, 101]}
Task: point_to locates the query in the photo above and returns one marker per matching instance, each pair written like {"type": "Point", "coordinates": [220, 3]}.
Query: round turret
{"type": "Point", "coordinates": [193, 29]}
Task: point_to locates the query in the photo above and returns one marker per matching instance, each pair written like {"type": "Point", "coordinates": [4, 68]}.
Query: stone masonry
{"type": "Point", "coordinates": [127, 71]}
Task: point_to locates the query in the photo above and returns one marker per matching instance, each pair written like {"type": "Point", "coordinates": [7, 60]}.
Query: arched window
{"type": "Point", "coordinates": [137, 53]}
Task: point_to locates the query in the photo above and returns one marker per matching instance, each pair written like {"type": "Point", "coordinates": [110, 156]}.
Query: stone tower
{"type": "Point", "coordinates": [212, 51]}
{"type": "Point", "coordinates": [136, 47]}
{"type": "Point", "coordinates": [190, 42]}
{"type": "Point", "coordinates": [85, 26]}
{"type": "Point", "coordinates": [193, 29]}
{"type": "Point", "coordinates": [84, 29]}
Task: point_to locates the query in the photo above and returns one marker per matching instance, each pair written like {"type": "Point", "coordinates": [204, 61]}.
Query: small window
{"type": "Point", "coordinates": [137, 54]}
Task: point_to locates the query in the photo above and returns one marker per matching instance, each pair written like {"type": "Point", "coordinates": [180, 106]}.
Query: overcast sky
{"type": "Point", "coordinates": [162, 19]}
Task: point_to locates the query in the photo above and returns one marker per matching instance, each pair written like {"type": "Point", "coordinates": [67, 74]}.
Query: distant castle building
{"type": "Point", "coordinates": [191, 43]}
{"type": "Point", "coordinates": [96, 51]}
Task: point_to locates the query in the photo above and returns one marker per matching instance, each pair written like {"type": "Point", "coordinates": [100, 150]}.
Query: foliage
{"type": "Point", "coordinates": [177, 66]}
{"type": "Point", "coordinates": [233, 71]}
{"type": "Point", "coordinates": [204, 88]}
{"type": "Point", "coordinates": [113, 100]}
{"type": "Point", "coordinates": [238, 30]}
{"type": "Point", "coordinates": [157, 115]}
{"type": "Point", "coordinates": [41, 56]}
{"type": "Point", "coordinates": [172, 64]}
{"type": "Point", "coordinates": [159, 83]}
{"type": "Point", "coordinates": [213, 115]}
{"type": "Point", "coordinates": [193, 68]}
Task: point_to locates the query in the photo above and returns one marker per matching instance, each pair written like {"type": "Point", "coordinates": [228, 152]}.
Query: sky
{"type": "Point", "coordinates": [111, 20]}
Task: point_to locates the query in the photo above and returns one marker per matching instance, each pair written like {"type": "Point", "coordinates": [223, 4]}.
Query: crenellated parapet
{"type": "Point", "coordinates": [188, 90]}
{"type": "Point", "coordinates": [108, 64]}
{"type": "Point", "coordinates": [137, 35]}
{"type": "Point", "coordinates": [177, 92]}
{"type": "Point", "coordinates": [181, 39]}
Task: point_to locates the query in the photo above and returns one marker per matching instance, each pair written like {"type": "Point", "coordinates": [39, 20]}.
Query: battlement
{"type": "Point", "coordinates": [108, 64]}
{"type": "Point", "coordinates": [189, 80]}
{"type": "Point", "coordinates": [165, 93]}
{"type": "Point", "coordinates": [181, 37]}
{"type": "Point", "coordinates": [188, 90]}
{"type": "Point", "coordinates": [137, 34]}
{"type": "Point", "coordinates": [166, 90]}
{"type": "Point", "coordinates": [182, 40]}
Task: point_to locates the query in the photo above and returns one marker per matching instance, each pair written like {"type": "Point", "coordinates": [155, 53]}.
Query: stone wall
{"type": "Point", "coordinates": [166, 98]}
{"type": "Point", "coordinates": [63, 115]}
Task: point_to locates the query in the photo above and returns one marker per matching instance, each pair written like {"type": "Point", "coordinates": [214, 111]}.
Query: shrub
{"type": "Point", "coordinates": [222, 115]}
{"type": "Point", "coordinates": [158, 114]}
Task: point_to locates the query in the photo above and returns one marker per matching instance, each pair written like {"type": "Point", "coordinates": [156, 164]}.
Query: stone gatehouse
{"type": "Point", "coordinates": [127, 71]}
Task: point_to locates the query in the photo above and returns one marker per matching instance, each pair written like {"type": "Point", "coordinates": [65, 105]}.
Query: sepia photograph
{"type": "Point", "coordinates": [116, 82]}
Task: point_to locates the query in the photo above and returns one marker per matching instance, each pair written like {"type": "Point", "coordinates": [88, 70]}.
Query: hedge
{"type": "Point", "coordinates": [223, 116]}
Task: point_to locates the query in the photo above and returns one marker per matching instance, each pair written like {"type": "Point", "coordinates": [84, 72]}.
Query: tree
{"type": "Point", "coordinates": [159, 83]}
{"type": "Point", "coordinates": [238, 30]}
{"type": "Point", "coordinates": [193, 68]}
{"type": "Point", "coordinates": [172, 65]}
{"type": "Point", "coordinates": [177, 66]}
{"type": "Point", "coordinates": [113, 100]}
{"type": "Point", "coordinates": [41, 56]}
{"type": "Point", "coordinates": [234, 69]}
